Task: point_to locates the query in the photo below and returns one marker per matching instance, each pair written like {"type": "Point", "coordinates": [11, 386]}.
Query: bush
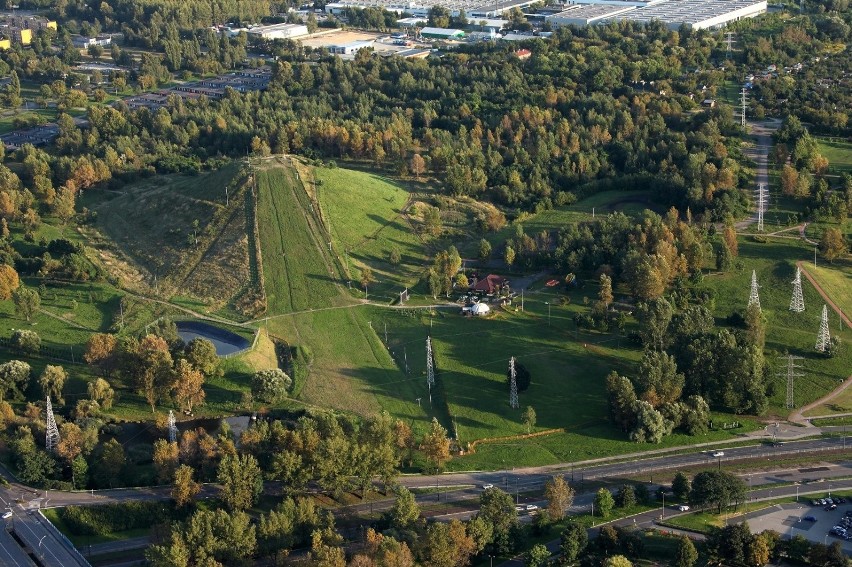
{"type": "Point", "coordinates": [26, 341]}
{"type": "Point", "coordinates": [270, 385]}
{"type": "Point", "coordinates": [103, 520]}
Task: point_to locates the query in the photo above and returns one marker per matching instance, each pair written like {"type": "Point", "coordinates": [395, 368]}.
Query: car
{"type": "Point", "coordinates": [487, 486]}
{"type": "Point", "coordinates": [520, 508]}
{"type": "Point", "coordinates": [822, 502]}
{"type": "Point", "coordinates": [683, 508]}
{"type": "Point", "coordinates": [531, 507]}
{"type": "Point", "coordinates": [830, 507]}
{"type": "Point", "coordinates": [7, 515]}
{"type": "Point", "coordinates": [814, 502]}
{"type": "Point", "coordinates": [719, 454]}
{"type": "Point", "coordinates": [809, 519]}
{"type": "Point", "coordinates": [841, 500]}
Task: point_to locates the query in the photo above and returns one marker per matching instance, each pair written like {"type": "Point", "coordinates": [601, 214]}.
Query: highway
{"type": "Point", "coordinates": [44, 539]}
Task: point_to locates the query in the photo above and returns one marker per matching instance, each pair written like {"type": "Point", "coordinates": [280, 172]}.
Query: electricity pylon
{"type": "Point", "coordinates": [761, 206]}
{"type": "Point", "coordinates": [797, 302]}
{"type": "Point", "coordinates": [51, 439]}
{"type": "Point", "coordinates": [513, 385]}
{"type": "Point", "coordinates": [430, 368]}
{"type": "Point", "coordinates": [172, 427]}
{"type": "Point", "coordinates": [754, 298]}
{"type": "Point", "coordinates": [824, 337]}
{"type": "Point", "coordinates": [743, 106]}
{"type": "Point", "coordinates": [790, 373]}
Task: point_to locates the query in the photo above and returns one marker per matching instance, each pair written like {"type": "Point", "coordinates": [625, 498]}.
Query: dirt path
{"type": "Point", "coordinates": [759, 153]}
{"type": "Point", "coordinates": [798, 415]}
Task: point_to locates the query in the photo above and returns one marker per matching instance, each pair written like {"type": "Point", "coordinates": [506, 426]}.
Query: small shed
{"type": "Point", "coordinates": [480, 309]}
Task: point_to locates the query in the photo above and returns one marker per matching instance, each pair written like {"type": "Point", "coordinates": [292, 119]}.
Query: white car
{"type": "Point", "coordinates": [520, 508]}
{"type": "Point", "coordinates": [683, 508]}
{"type": "Point", "coordinates": [719, 454]}
{"type": "Point", "coordinates": [531, 508]}
{"type": "Point", "coordinates": [487, 486]}
{"type": "Point", "coordinates": [7, 515]}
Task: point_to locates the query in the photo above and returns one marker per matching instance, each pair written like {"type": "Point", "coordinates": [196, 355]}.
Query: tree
{"type": "Point", "coordinates": [436, 445]}
{"type": "Point", "coordinates": [789, 180]}
{"type": "Point", "coordinates": [70, 442]}
{"type": "Point", "coordinates": [14, 378]}
{"type": "Point", "coordinates": [484, 250]}
{"type": "Point", "coordinates": [110, 464]}
{"type": "Point", "coordinates": [405, 510]}
{"type": "Point", "coordinates": [626, 496]}
{"type": "Point", "coordinates": [185, 489]}
{"type": "Point", "coordinates": [241, 481]}
{"type": "Point", "coordinates": [537, 556]}
{"type": "Point", "coordinates": [622, 398]}
{"type": "Point", "coordinates": [729, 239]}
{"type": "Point", "coordinates": [447, 545]}
{"type": "Point", "coordinates": [523, 378]}
{"type": "Point", "coordinates": [9, 281]}
{"type": "Point", "coordinates": [79, 472]}
{"type": "Point", "coordinates": [101, 352]}
{"type": "Point", "coordinates": [658, 379]}
{"type": "Point", "coordinates": [201, 353]}
{"type": "Point", "coordinates": [64, 204]}
{"type": "Point", "coordinates": [270, 385]}
{"type": "Point", "coordinates": [755, 326]}
{"type": "Point", "coordinates": [654, 317]}
{"type": "Point", "coordinates": [26, 341]}
{"type": "Point", "coordinates": [650, 426]}
{"type": "Point", "coordinates": [394, 256]}
{"type": "Point", "coordinates": [681, 486]}
{"type": "Point", "coordinates": [685, 555]}
{"type": "Point", "coordinates": [718, 489]}
{"type": "Point", "coordinates": [165, 459]}
{"type": "Point", "coordinates": [559, 497]}
{"type": "Point", "coordinates": [188, 386]}
{"type": "Point", "coordinates": [432, 223]}
{"type": "Point", "coordinates": [52, 380]}
{"type": "Point", "coordinates": [497, 508]}
{"type": "Point", "coordinates": [509, 256]}
{"type": "Point", "coordinates": [101, 392]}
{"type": "Point", "coordinates": [207, 538]}
{"type": "Point", "coordinates": [832, 244]}
{"type": "Point", "coordinates": [573, 542]}
{"type": "Point", "coordinates": [152, 369]}
{"type": "Point", "coordinates": [605, 292]}
{"type": "Point", "coordinates": [417, 165]}
{"type": "Point", "coordinates": [758, 551]}
{"type": "Point", "coordinates": [12, 92]}
{"type": "Point", "coordinates": [528, 417]}
{"type": "Point", "coordinates": [366, 278]}
{"type": "Point", "coordinates": [617, 561]}
{"type": "Point", "coordinates": [604, 502]}
{"type": "Point", "coordinates": [27, 302]}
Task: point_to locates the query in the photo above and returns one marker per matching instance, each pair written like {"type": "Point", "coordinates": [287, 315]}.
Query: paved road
{"type": "Point", "coordinates": [11, 553]}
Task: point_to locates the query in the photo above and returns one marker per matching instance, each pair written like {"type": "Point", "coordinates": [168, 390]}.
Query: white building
{"type": "Point", "coordinates": [635, 3]}
{"type": "Point", "coordinates": [697, 14]}
{"type": "Point", "coordinates": [474, 10]}
{"type": "Point", "coordinates": [587, 14]}
{"type": "Point", "coordinates": [83, 42]}
{"type": "Point", "coordinates": [350, 48]}
{"type": "Point", "coordinates": [278, 31]}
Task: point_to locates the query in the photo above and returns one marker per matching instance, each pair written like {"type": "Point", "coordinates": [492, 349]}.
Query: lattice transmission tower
{"type": "Point", "coordinates": [791, 372]}
{"type": "Point", "coordinates": [729, 40]}
{"type": "Point", "coordinates": [172, 427]}
{"type": "Point", "coordinates": [824, 337]}
{"type": "Point", "coordinates": [743, 106]}
{"type": "Point", "coordinates": [797, 302]}
{"type": "Point", "coordinates": [430, 367]}
{"type": "Point", "coordinates": [51, 439]}
{"type": "Point", "coordinates": [513, 385]}
{"type": "Point", "coordinates": [761, 205]}
{"type": "Point", "coordinates": [754, 298]}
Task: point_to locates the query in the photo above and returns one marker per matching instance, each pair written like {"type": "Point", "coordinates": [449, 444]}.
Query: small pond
{"type": "Point", "coordinates": [225, 341]}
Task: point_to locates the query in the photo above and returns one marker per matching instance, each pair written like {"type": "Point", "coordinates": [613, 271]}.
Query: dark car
{"type": "Point", "coordinates": [841, 500]}
{"type": "Point", "coordinates": [809, 519]}
{"type": "Point", "coordinates": [831, 507]}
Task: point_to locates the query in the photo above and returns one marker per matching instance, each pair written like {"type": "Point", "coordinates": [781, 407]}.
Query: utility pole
{"type": "Point", "coordinates": [754, 298]}
{"type": "Point", "coordinates": [513, 385]}
{"type": "Point", "coordinates": [797, 302]}
{"type": "Point", "coordinates": [823, 337]}
{"type": "Point", "coordinates": [791, 373]}
{"type": "Point", "coordinates": [430, 368]}
{"type": "Point", "coordinates": [744, 105]}
{"type": "Point", "coordinates": [761, 204]}
{"type": "Point", "coordinates": [52, 432]}
{"type": "Point", "coordinates": [729, 39]}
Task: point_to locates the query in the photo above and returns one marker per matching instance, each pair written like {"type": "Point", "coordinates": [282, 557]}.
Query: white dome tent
{"type": "Point", "coordinates": [480, 309]}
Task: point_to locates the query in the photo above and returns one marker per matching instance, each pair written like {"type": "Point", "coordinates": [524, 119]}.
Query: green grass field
{"type": "Point", "coordinates": [366, 216]}
{"type": "Point", "coordinates": [836, 281]}
{"type": "Point", "coordinates": [838, 153]}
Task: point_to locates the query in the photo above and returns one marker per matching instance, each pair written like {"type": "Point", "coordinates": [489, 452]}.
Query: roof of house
{"type": "Point", "coordinates": [480, 308]}
{"type": "Point", "coordinates": [489, 283]}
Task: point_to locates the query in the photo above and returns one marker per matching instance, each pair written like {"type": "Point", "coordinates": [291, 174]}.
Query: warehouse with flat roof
{"type": "Point", "coordinates": [696, 14]}
{"type": "Point", "coordinates": [441, 33]}
{"type": "Point", "coordinates": [474, 9]}
{"type": "Point", "coordinates": [587, 14]}
{"type": "Point", "coordinates": [278, 31]}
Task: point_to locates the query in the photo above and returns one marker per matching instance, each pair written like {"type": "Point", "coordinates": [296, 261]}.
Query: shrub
{"type": "Point", "coordinates": [26, 341]}
{"type": "Point", "coordinates": [270, 385]}
{"type": "Point", "coordinates": [103, 520]}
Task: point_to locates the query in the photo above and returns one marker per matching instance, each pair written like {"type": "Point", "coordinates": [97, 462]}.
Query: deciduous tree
{"type": "Point", "coordinates": [101, 352]}
{"type": "Point", "coordinates": [27, 302]}
{"type": "Point", "coordinates": [528, 417]}
{"type": "Point", "coordinates": [559, 497]}
{"type": "Point", "coordinates": [52, 380]}
{"type": "Point", "coordinates": [241, 481]}
{"type": "Point", "coordinates": [185, 489]}
{"type": "Point", "coordinates": [832, 244]}
{"type": "Point", "coordinates": [270, 385]}
{"type": "Point", "coordinates": [604, 502]}
{"type": "Point", "coordinates": [165, 459]}
{"type": "Point", "coordinates": [436, 445]}
{"type": "Point", "coordinates": [101, 392]}
{"type": "Point", "coordinates": [9, 281]}
{"type": "Point", "coordinates": [681, 486]}
{"type": "Point", "coordinates": [188, 389]}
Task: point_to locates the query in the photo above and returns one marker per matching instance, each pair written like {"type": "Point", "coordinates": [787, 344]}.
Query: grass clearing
{"type": "Point", "coordinates": [836, 281]}
{"type": "Point", "coordinates": [367, 219]}
{"type": "Point", "coordinates": [838, 153]}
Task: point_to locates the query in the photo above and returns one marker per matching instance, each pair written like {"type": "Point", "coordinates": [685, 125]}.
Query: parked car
{"type": "Point", "coordinates": [520, 508]}
{"type": "Point", "coordinates": [830, 507]}
{"type": "Point", "coordinates": [487, 486]}
{"type": "Point", "coordinates": [7, 515]}
{"type": "Point", "coordinates": [814, 502]}
{"type": "Point", "coordinates": [809, 519]}
{"type": "Point", "coordinates": [531, 507]}
{"type": "Point", "coordinates": [719, 454]}
{"type": "Point", "coordinates": [683, 508]}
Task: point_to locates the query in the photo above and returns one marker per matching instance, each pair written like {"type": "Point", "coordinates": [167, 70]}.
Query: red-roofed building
{"type": "Point", "coordinates": [490, 284]}
{"type": "Point", "coordinates": [523, 53]}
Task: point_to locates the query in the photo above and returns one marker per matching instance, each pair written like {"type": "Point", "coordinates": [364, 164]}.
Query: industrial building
{"type": "Point", "coordinates": [83, 42]}
{"type": "Point", "coordinates": [634, 3]}
{"type": "Point", "coordinates": [278, 31]}
{"type": "Point", "coordinates": [350, 48]}
{"type": "Point", "coordinates": [474, 9]}
{"type": "Point", "coordinates": [587, 14]}
{"type": "Point", "coordinates": [696, 14]}
{"type": "Point", "coordinates": [441, 33]}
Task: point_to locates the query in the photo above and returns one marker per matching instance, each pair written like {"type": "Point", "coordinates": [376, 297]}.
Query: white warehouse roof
{"type": "Point", "coordinates": [587, 14]}
{"type": "Point", "coordinates": [279, 31]}
{"type": "Point", "coordinates": [697, 14]}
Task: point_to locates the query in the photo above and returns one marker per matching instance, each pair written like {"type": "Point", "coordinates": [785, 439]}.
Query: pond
{"type": "Point", "coordinates": [225, 341]}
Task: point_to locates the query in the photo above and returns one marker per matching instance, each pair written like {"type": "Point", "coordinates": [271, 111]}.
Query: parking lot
{"type": "Point", "coordinates": [788, 520]}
